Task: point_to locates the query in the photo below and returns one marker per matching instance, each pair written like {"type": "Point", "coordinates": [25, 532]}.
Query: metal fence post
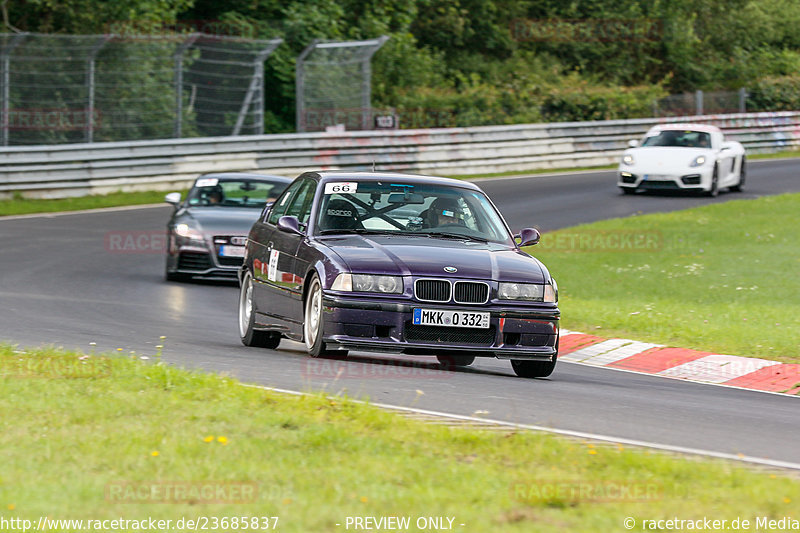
{"type": "Point", "coordinates": [5, 79]}
{"type": "Point", "coordinates": [299, 83]}
{"type": "Point", "coordinates": [189, 41]}
{"type": "Point", "coordinates": [698, 102]}
{"type": "Point", "coordinates": [743, 100]}
{"type": "Point", "coordinates": [256, 86]}
{"type": "Point", "coordinates": [90, 69]}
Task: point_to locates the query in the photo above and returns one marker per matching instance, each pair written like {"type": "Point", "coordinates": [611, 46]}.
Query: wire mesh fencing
{"type": "Point", "coordinates": [86, 88]}
{"type": "Point", "coordinates": [333, 85]}
{"type": "Point", "coordinates": [701, 103]}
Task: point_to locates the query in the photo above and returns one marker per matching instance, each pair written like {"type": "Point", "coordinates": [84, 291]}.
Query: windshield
{"type": "Point", "coordinates": [411, 209]}
{"type": "Point", "coordinates": [690, 139]}
{"type": "Point", "coordinates": [234, 192]}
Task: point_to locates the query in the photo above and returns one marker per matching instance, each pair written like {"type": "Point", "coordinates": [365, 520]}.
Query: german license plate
{"type": "Point", "coordinates": [456, 319]}
{"type": "Point", "coordinates": [228, 250]}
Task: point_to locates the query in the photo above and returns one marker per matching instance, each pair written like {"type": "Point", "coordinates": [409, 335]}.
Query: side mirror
{"type": "Point", "coordinates": [173, 198]}
{"type": "Point", "coordinates": [633, 143]}
{"type": "Point", "coordinates": [289, 224]}
{"type": "Point", "coordinates": [528, 237]}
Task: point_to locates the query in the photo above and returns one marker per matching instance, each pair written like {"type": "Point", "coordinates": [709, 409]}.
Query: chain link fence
{"type": "Point", "coordinates": [333, 85]}
{"type": "Point", "coordinates": [86, 88]}
{"type": "Point", "coordinates": [701, 103]}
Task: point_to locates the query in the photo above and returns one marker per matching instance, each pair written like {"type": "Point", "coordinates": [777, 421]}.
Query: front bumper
{"type": "Point", "coordinates": [515, 332]}
{"type": "Point", "coordinates": [691, 180]}
{"type": "Point", "coordinates": [199, 261]}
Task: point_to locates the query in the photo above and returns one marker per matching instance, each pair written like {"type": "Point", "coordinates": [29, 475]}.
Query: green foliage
{"type": "Point", "coordinates": [493, 61]}
{"type": "Point", "coordinates": [775, 94]}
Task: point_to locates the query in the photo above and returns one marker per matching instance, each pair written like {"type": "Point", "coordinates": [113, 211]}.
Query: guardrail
{"type": "Point", "coordinates": [77, 169]}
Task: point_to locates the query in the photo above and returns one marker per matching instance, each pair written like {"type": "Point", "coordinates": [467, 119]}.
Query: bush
{"type": "Point", "coordinates": [775, 94]}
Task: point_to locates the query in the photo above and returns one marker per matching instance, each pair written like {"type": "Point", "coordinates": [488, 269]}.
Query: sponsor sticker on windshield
{"type": "Point", "coordinates": [206, 182]}
{"type": "Point", "coordinates": [341, 187]}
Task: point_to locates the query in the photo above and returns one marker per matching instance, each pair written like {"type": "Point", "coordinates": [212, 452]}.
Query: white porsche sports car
{"type": "Point", "coordinates": [683, 157]}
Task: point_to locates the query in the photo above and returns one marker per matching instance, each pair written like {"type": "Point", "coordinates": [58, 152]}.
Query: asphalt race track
{"type": "Point", "coordinates": [64, 282]}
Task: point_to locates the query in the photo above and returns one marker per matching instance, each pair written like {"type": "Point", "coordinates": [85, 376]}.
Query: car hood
{"type": "Point", "coordinates": [220, 220]}
{"type": "Point", "coordinates": [666, 158]}
{"type": "Point", "coordinates": [423, 256]}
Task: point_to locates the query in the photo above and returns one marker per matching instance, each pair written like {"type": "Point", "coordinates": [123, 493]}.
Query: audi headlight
{"type": "Point", "coordinates": [188, 232]}
{"type": "Point", "coordinates": [520, 291]}
{"type": "Point", "coordinates": [628, 159]}
{"type": "Point", "coordinates": [699, 161]}
{"type": "Point", "coordinates": [368, 283]}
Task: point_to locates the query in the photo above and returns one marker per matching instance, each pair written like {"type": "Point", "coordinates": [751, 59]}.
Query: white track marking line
{"type": "Point", "coordinates": [566, 432]}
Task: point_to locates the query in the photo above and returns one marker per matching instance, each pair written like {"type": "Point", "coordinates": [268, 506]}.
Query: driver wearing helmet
{"type": "Point", "coordinates": [444, 211]}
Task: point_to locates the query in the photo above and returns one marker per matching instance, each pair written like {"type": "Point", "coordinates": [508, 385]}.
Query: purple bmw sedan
{"type": "Point", "coordinates": [400, 263]}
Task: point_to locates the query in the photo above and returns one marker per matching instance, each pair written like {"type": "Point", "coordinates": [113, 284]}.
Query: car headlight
{"type": "Point", "coordinates": [699, 161]}
{"type": "Point", "coordinates": [187, 232]}
{"type": "Point", "coordinates": [368, 283]}
{"type": "Point", "coordinates": [628, 159]}
{"type": "Point", "coordinates": [520, 291]}
{"type": "Point", "coordinates": [551, 291]}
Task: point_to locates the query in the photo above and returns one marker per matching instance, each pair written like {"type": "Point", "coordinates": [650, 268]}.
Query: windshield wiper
{"type": "Point", "coordinates": [460, 236]}
{"type": "Point", "coordinates": [361, 231]}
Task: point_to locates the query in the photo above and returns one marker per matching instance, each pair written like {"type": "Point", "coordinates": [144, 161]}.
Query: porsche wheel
{"type": "Point", "coordinates": [714, 190]}
{"type": "Point", "coordinates": [247, 333]}
{"type": "Point", "coordinates": [312, 323]}
{"type": "Point", "coordinates": [742, 175]}
{"type": "Point", "coordinates": [450, 361]}
{"type": "Point", "coordinates": [533, 369]}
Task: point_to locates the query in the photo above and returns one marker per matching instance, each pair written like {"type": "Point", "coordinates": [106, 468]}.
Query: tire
{"type": "Point", "coordinates": [742, 175]}
{"type": "Point", "coordinates": [533, 369]}
{"type": "Point", "coordinates": [627, 190]}
{"type": "Point", "coordinates": [450, 361]}
{"type": "Point", "coordinates": [175, 276]}
{"type": "Point", "coordinates": [247, 332]}
{"type": "Point", "coordinates": [313, 322]}
{"type": "Point", "coordinates": [714, 190]}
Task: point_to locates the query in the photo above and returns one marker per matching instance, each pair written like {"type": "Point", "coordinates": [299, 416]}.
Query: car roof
{"type": "Point", "coordinates": [245, 175]}
{"type": "Point", "coordinates": [398, 177]}
{"type": "Point", "coordinates": [687, 127]}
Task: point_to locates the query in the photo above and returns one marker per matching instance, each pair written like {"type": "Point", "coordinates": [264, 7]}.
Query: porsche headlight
{"type": "Point", "coordinates": [532, 292]}
{"type": "Point", "coordinates": [368, 283]}
{"type": "Point", "coordinates": [699, 161]}
{"type": "Point", "coordinates": [628, 159]}
{"type": "Point", "coordinates": [188, 232]}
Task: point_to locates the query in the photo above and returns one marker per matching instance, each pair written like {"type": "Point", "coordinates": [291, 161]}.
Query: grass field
{"type": "Point", "coordinates": [24, 206]}
{"type": "Point", "coordinates": [722, 278]}
{"type": "Point", "coordinates": [103, 437]}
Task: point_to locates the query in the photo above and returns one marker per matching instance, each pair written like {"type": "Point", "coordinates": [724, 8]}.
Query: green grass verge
{"type": "Point", "coordinates": [24, 206]}
{"type": "Point", "coordinates": [721, 278]}
{"type": "Point", "coordinates": [89, 437]}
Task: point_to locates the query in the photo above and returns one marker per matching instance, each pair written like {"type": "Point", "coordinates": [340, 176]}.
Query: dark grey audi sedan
{"type": "Point", "coordinates": [398, 263]}
{"type": "Point", "coordinates": [207, 232]}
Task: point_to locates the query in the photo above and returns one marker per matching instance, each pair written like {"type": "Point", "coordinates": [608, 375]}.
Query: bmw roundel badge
{"type": "Point", "coordinates": [450, 270]}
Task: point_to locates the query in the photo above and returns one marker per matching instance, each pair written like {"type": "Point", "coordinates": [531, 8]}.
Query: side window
{"type": "Point", "coordinates": [282, 203]}
{"type": "Point", "coordinates": [300, 206]}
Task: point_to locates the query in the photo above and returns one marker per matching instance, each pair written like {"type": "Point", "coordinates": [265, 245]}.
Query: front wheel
{"type": "Point", "coordinates": [312, 323]}
{"type": "Point", "coordinates": [247, 332]}
{"type": "Point", "coordinates": [742, 175]}
{"type": "Point", "coordinates": [714, 190]}
{"type": "Point", "coordinates": [533, 369]}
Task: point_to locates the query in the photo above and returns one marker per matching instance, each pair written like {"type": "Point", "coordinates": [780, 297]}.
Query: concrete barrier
{"type": "Point", "coordinates": [77, 169]}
